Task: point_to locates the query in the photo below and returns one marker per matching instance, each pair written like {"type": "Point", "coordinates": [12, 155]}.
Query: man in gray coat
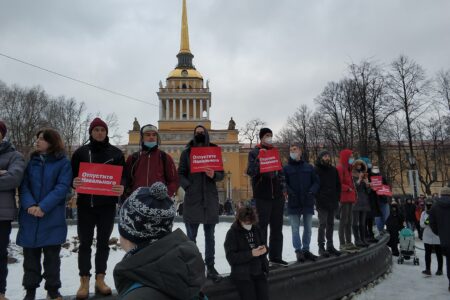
{"type": "Point", "coordinates": [12, 166]}
{"type": "Point", "coordinates": [201, 201]}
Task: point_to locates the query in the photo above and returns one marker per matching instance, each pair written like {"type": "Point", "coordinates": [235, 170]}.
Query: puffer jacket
{"type": "Point", "coordinates": [348, 193]}
{"type": "Point", "coordinates": [13, 164]}
{"type": "Point", "coordinates": [329, 193]}
{"type": "Point", "coordinates": [46, 184]}
{"type": "Point", "coordinates": [171, 268]}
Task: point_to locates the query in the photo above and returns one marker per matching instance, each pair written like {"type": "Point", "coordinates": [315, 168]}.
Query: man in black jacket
{"type": "Point", "coordinates": [327, 202]}
{"type": "Point", "coordinates": [269, 192]}
{"type": "Point", "coordinates": [440, 224]}
{"type": "Point", "coordinates": [94, 210]}
{"type": "Point", "coordinates": [201, 200]}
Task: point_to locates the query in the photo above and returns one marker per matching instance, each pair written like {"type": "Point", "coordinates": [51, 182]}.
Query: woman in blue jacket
{"type": "Point", "coordinates": [42, 221]}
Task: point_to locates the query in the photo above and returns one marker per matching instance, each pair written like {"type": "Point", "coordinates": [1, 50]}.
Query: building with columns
{"type": "Point", "coordinates": [185, 102]}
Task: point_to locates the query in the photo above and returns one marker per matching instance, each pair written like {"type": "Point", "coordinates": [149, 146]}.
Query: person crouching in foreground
{"type": "Point", "coordinates": [159, 264]}
{"type": "Point", "coordinates": [246, 255]}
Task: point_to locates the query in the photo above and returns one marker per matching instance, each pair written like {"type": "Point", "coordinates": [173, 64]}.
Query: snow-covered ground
{"type": "Point", "coordinates": [405, 281]}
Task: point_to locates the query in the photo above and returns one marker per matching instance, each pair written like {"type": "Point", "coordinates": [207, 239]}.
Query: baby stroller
{"type": "Point", "coordinates": [407, 246]}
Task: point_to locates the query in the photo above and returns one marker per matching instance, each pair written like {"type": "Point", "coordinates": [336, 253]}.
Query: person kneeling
{"type": "Point", "coordinates": [159, 264]}
{"type": "Point", "coordinates": [246, 255]}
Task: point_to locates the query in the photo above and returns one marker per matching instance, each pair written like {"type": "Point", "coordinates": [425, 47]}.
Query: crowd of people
{"type": "Point", "coordinates": [165, 264]}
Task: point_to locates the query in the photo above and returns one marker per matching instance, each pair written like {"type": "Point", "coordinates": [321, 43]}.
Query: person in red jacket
{"type": "Point", "coordinates": [347, 199]}
{"type": "Point", "coordinates": [150, 164]}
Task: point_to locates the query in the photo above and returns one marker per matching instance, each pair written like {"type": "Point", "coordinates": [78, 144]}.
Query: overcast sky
{"type": "Point", "coordinates": [263, 58]}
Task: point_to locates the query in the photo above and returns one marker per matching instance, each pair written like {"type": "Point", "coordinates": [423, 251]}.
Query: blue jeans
{"type": "Point", "coordinates": [295, 226]}
{"type": "Point", "coordinates": [192, 229]}
{"type": "Point", "coordinates": [381, 221]}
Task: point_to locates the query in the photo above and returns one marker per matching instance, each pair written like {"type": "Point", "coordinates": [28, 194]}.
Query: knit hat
{"type": "Point", "coordinates": [149, 127]}
{"type": "Point", "coordinates": [97, 122]}
{"type": "Point", "coordinates": [3, 129]}
{"type": "Point", "coordinates": [445, 191]}
{"type": "Point", "coordinates": [264, 131]}
{"type": "Point", "coordinates": [147, 215]}
{"type": "Point", "coordinates": [323, 153]}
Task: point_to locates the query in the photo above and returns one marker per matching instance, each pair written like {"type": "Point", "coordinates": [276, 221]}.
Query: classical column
{"type": "Point", "coordinates": [180, 105]}
{"type": "Point", "coordinates": [195, 108]}
{"type": "Point", "coordinates": [207, 108]}
{"type": "Point", "coordinates": [160, 110]}
{"type": "Point", "coordinates": [167, 109]}
{"type": "Point", "coordinates": [201, 108]}
{"type": "Point", "coordinates": [187, 109]}
{"type": "Point", "coordinates": [174, 109]}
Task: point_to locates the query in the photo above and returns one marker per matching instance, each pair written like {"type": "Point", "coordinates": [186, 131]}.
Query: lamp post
{"type": "Point", "coordinates": [229, 185]}
{"type": "Point", "coordinates": [413, 175]}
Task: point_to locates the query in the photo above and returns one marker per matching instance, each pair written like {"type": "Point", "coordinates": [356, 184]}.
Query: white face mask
{"type": "Point", "coordinates": [293, 155]}
{"type": "Point", "coordinates": [268, 140]}
{"type": "Point", "coordinates": [247, 227]}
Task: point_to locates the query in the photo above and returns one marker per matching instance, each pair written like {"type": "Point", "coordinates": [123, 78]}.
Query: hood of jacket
{"type": "Point", "coordinates": [6, 147]}
{"type": "Point", "coordinates": [344, 156]}
{"type": "Point", "coordinates": [172, 265]}
{"type": "Point", "coordinates": [207, 142]}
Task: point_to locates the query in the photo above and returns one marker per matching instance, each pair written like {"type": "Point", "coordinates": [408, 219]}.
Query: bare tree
{"type": "Point", "coordinates": [250, 133]}
{"type": "Point", "coordinates": [443, 87]}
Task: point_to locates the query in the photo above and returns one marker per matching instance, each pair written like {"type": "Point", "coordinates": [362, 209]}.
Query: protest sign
{"type": "Point", "coordinates": [98, 179]}
{"type": "Point", "coordinates": [203, 158]}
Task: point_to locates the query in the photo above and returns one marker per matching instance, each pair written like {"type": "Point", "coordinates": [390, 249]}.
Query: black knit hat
{"type": "Point", "coordinates": [323, 153]}
{"type": "Point", "coordinates": [263, 132]}
{"type": "Point", "coordinates": [147, 215]}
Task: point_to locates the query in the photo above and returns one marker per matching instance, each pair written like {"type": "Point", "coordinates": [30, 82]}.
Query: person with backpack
{"type": "Point", "coordinates": [95, 210]}
{"type": "Point", "coordinates": [150, 164]}
{"type": "Point", "coordinates": [42, 221]}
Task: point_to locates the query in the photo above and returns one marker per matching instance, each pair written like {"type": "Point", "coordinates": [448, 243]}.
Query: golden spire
{"type": "Point", "coordinates": [184, 46]}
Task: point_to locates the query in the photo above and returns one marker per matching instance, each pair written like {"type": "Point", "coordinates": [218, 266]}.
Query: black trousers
{"type": "Point", "coordinates": [428, 252]}
{"type": "Point", "coordinates": [270, 213]}
{"type": "Point", "coordinates": [210, 244]}
{"type": "Point", "coordinates": [32, 268]}
{"type": "Point", "coordinates": [101, 217]}
{"type": "Point", "coordinates": [5, 231]}
{"type": "Point", "coordinates": [254, 289]}
{"type": "Point", "coordinates": [359, 225]}
{"type": "Point", "coordinates": [370, 220]}
{"type": "Point", "coordinates": [326, 227]}
{"type": "Point", "coordinates": [446, 252]}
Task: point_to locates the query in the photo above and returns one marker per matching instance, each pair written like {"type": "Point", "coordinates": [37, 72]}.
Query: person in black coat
{"type": "Point", "coordinates": [410, 214]}
{"type": "Point", "coordinates": [246, 254]}
{"type": "Point", "coordinates": [95, 210]}
{"type": "Point", "coordinates": [394, 223]}
{"type": "Point", "coordinates": [201, 200]}
{"type": "Point", "coordinates": [327, 202]}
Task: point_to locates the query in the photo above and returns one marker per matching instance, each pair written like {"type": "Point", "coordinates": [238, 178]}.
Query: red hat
{"type": "Point", "coordinates": [97, 122]}
{"type": "Point", "coordinates": [3, 128]}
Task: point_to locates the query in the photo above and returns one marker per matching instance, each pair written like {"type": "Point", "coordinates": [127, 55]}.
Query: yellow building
{"type": "Point", "coordinates": [185, 102]}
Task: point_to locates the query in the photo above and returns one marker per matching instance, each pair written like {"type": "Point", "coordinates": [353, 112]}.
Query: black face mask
{"type": "Point", "coordinates": [200, 138]}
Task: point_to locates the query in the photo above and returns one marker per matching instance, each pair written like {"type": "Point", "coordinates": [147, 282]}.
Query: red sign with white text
{"type": "Point", "coordinates": [376, 182]}
{"type": "Point", "coordinates": [269, 161]}
{"type": "Point", "coordinates": [385, 190]}
{"type": "Point", "coordinates": [203, 158]}
{"type": "Point", "coordinates": [98, 179]}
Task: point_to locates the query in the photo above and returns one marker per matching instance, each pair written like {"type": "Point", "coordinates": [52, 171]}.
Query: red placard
{"type": "Point", "coordinates": [269, 161]}
{"type": "Point", "coordinates": [376, 182]}
{"type": "Point", "coordinates": [385, 190]}
{"type": "Point", "coordinates": [203, 158]}
{"type": "Point", "coordinates": [98, 179]}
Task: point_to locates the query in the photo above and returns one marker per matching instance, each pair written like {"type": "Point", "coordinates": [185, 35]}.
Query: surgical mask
{"type": "Point", "coordinates": [268, 140]}
{"type": "Point", "coordinates": [351, 161]}
{"type": "Point", "coordinates": [150, 145]}
{"type": "Point", "coordinates": [293, 155]}
{"type": "Point", "coordinates": [247, 227]}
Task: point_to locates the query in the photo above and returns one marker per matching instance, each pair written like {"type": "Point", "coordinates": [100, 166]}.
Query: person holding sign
{"type": "Point", "coordinates": [150, 164]}
{"type": "Point", "coordinates": [95, 210]}
{"type": "Point", "coordinates": [42, 220]}
{"type": "Point", "coordinates": [269, 192]}
{"type": "Point", "coordinates": [302, 185]}
{"type": "Point", "coordinates": [201, 200]}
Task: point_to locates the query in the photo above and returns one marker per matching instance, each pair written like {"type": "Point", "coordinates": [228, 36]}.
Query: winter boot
{"type": "Point", "coordinates": [300, 256]}
{"type": "Point", "coordinates": [83, 291]}
{"type": "Point", "coordinates": [54, 294]}
{"type": "Point", "coordinates": [211, 273]}
{"type": "Point", "coordinates": [323, 252]}
{"type": "Point", "coordinates": [100, 285]}
{"type": "Point", "coordinates": [30, 295]}
{"type": "Point", "coordinates": [427, 273]}
{"type": "Point", "coordinates": [438, 273]}
{"type": "Point", "coordinates": [309, 256]}
{"type": "Point", "coordinates": [3, 297]}
{"type": "Point", "coordinates": [333, 251]}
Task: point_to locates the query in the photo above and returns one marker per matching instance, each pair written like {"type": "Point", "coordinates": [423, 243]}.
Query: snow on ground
{"type": "Point", "coordinates": [405, 281]}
